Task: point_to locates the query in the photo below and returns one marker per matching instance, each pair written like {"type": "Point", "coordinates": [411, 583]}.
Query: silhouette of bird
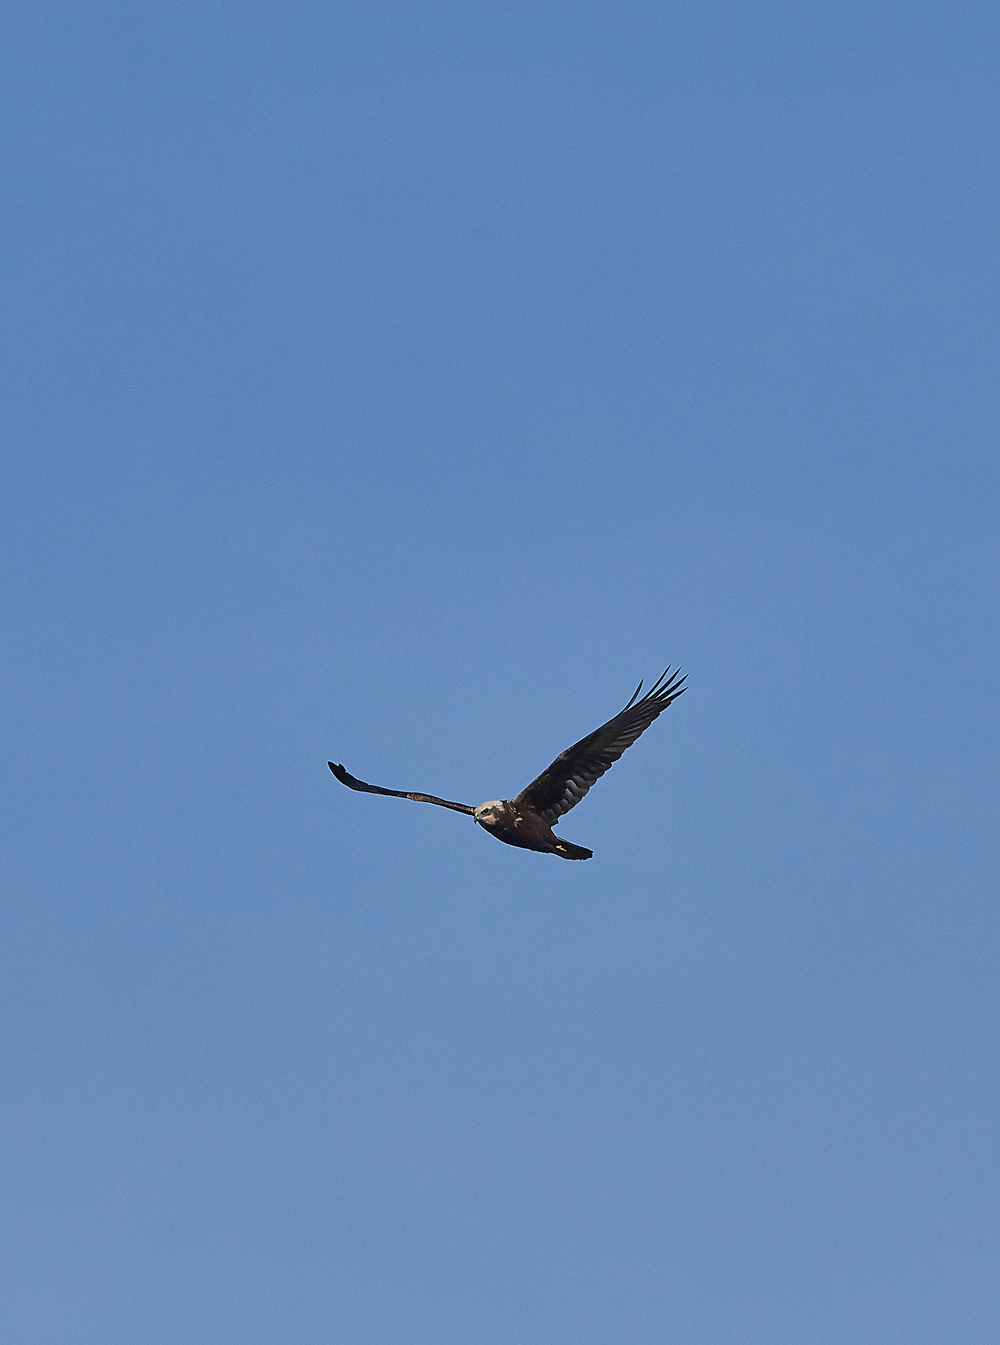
{"type": "Point", "coordinates": [526, 821]}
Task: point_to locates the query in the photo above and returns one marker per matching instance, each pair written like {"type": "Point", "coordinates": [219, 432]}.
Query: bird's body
{"type": "Point", "coordinates": [503, 819]}
{"type": "Point", "coordinates": [526, 821]}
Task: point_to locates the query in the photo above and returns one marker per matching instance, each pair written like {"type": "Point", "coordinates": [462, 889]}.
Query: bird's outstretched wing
{"type": "Point", "coordinates": [346, 779]}
{"type": "Point", "coordinates": [567, 780]}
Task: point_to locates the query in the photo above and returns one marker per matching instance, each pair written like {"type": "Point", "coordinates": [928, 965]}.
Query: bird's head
{"type": "Point", "coordinates": [488, 813]}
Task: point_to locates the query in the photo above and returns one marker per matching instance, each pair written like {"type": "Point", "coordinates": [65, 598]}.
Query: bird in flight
{"type": "Point", "coordinates": [526, 821]}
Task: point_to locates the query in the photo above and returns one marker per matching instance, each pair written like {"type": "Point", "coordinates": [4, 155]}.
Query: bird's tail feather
{"type": "Point", "coordinates": [567, 850]}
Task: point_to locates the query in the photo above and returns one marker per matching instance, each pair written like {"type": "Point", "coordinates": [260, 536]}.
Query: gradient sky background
{"type": "Point", "coordinates": [399, 383]}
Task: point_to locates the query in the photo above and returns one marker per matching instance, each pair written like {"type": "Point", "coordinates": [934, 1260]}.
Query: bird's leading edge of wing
{"type": "Point", "coordinates": [349, 780]}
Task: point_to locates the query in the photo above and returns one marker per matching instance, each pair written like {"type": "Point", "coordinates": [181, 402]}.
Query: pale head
{"type": "Point", "coordinates": [489, 812]}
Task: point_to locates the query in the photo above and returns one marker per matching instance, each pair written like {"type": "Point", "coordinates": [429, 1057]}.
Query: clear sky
{"type": "Point", "coordinates": [398, 383]}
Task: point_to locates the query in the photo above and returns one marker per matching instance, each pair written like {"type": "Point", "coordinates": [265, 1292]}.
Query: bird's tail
{"type": "Point", "coordinates": [567, 850]}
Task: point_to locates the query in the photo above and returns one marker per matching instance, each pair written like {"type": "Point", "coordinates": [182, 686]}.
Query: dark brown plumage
{"type": "Point", "coordinates": [526, 821]}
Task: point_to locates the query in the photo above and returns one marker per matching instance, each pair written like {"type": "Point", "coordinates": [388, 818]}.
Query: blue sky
{"type": "Point", "coordinates": [399, 384]}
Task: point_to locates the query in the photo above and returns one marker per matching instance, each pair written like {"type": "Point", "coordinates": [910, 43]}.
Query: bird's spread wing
{"type": "Point", "coordinates": [564, 784]}
{"type": "Point", "coordinates": [346, 779]}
